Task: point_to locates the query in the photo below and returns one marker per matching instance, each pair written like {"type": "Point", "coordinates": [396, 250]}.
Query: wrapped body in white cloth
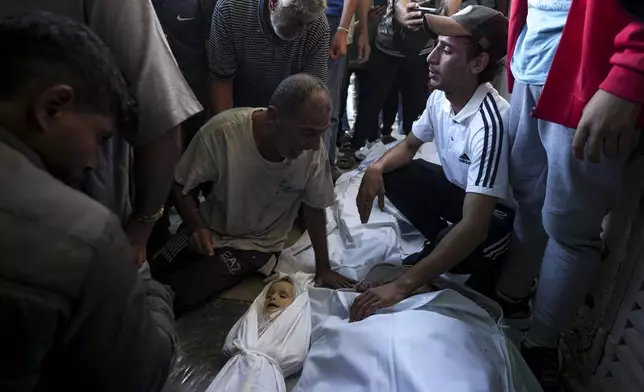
{"type": "Point", "coordinates": [270, 341]}
{"type": "Point", "coordinates": [438, 341]}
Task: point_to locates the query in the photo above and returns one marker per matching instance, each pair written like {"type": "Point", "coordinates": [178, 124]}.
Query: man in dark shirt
{"type": "Point", "coordinates": [74, 313]}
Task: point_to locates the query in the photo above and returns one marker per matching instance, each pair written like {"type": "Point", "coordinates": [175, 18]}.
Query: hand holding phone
{"type": "Point", "coordinates": [411, 14]}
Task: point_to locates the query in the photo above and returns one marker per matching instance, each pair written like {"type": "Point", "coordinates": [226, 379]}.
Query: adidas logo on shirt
{"type": "Point", "coordinates": [465, 159]}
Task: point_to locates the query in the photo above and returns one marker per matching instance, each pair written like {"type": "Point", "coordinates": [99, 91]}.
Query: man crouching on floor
{"type": "Point", "coordinates": [461, 207]}
{"type": "Point", "coordinates": [262, 165]}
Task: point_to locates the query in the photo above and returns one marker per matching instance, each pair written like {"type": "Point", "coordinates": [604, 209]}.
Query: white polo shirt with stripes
{"type": "Point", "coordinates": [473, 144]}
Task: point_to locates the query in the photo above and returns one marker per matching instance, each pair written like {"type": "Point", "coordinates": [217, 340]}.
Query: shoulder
{"type": "Point", "coordinates": [237, 9]}
{"type": "Point", "coordinates": [493, 114]}
{"type": "Point", "coordinates": [232, 123]}
{"type": "Point", "coordinates": [437, 97]}
{"type": "Point", "coordinates": [435, 102]}
{"type": "Point", "coordinates": [318, 30]}
{"type": "Point", "coordinates": [49, 227]}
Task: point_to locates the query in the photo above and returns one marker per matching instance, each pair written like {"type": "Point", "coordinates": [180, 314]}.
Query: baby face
{"type": "Point", "coordinates": [278, 296]}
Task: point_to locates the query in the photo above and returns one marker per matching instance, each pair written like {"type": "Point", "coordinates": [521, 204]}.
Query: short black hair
{"type": "Point", "coordinates": [494, 66]}
{"type": "Point", "coordinates": [293, 91]}
{"type": "Point", "coordinates": [56, 50]}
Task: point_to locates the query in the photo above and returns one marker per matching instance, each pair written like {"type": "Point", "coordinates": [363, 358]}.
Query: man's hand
{"type": "Point", "coordinates": [338, 47]}
{"type": "Point", "coordinates": [332, 279]}
{"type": "Point", "coordinates": [607, 123]}
{"type": "Point", "coordinates": [372, 185]}
{"type": "Point", "coordinates": [138, 234]}
{"type": "Point", "coordinates": [409, 15]}
{"type": "Point", "coordinates": [376, 298]}
{"type": "Point", "coordinates": [364, 47]}
{"type": "Point", "coordinates": [376, 13]}
{"type": "Point", "coordinates": [201, 242]}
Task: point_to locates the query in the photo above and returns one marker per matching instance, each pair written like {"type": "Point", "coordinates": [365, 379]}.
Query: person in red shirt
{"type": "Point", "coordinates": [576, 72]}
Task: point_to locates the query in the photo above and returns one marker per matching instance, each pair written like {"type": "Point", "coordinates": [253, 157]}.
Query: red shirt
{"type": "Point", "coordinates": [602, 46]}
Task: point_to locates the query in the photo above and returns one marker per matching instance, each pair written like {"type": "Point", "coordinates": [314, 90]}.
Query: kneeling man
{"type": "Point", "coordinates": [456, 205]}
{"type": "Point", "coordinates": [262, 166]}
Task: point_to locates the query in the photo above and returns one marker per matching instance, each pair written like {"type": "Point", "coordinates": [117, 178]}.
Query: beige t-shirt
{"type": "Point", "coordinates": [253, 203]}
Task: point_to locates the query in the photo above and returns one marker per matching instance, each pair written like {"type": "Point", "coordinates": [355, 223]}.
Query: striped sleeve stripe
{"type": "Point", "coordinates": [493, 124]}
{"type": "Point", "coordinates": [499, 119]}
{"type": "Point", "coordinates": [484, 156]}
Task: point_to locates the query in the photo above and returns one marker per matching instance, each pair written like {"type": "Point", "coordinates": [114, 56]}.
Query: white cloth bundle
{"type": "Point", "coordinates": [438, 341]}
{"type": "Point", "coordinates": [261, 360]}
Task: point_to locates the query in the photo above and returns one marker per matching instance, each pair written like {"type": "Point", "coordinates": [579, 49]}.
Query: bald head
{"type": "Point", "coordinates": [298, 91]}
{"type": "Point", "coordinates": [300, 110]}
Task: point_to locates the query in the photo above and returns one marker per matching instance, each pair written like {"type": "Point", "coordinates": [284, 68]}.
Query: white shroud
{"type": "Point", "coordinates": [260, 361]}
{"type": "Point", "coordinates": [438, 341]}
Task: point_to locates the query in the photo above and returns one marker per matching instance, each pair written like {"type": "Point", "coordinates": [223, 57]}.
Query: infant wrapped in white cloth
{"type": "Point", "coordinates": [270, 341]}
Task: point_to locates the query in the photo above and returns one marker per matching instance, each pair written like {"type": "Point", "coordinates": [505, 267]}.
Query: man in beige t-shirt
{"type": "Point", "coordinates": [263, 165]}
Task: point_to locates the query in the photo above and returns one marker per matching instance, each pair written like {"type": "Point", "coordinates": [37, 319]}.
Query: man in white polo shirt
{"type": "Point", "coordinates": [457, 206]}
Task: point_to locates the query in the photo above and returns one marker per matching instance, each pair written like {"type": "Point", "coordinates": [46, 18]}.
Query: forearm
{"type": "Point", "coordinates": [348, 10]}
{"type": "Point", "coordinates": [221, 96]}
{"type": "Point", "coordinates": [363, 15]}
{"type": "Point", "coordinates": [153, 168]}
{"type": "Point", "coordinates": [459, 243]}
{"type": "Point", "coordinates": [315, 224]}
{"type": "Point", "coordinates": [188, 207]}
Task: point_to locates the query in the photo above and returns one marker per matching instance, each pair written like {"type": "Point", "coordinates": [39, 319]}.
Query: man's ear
{"type": "Point", "coordinates": [271, 114]}
{"type": "Point", "coordinates": [51, 102]}
{"type": "Point", "coordinates": [272, 4]}
{"type": "Point", "coordinates": [479, 63]}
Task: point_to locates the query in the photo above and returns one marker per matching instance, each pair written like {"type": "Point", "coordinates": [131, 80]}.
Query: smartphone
{"type": "Point", "coordinates": [427, 10]}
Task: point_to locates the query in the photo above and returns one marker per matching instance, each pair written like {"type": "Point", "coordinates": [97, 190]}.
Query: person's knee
{"type": "Point", "coordinates": [574, 230]}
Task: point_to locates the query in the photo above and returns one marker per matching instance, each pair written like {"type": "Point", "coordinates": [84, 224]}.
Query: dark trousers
{"type": "Point", "coordinates": [422, 193]}
{"type": "Point", "coordinates": [383, 73]}
{"type": "Point", "coordinates": [196, 278]}
{"type": "Point", "coordinates": [390, 110]}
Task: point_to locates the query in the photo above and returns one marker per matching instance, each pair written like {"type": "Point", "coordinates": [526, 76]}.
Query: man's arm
{"type": "Point", "coordinates": [153, 166]}
{"type": "Point", "coordinates": [459, 243]}
{"type": "Point", "coordinates": [399, 156]}
{"type": "Point", "coordinates": [372, 183]}
{"type": "Point", "coordinates": [197, 166]}
{"type": "Point", "coordinates": [164, 98]}
{"type": "Point", "coordinates": [608, 122]}
{"type": "Point", "coordinates": [315, 223]}
{"type": "Point", "coordinates": [222, 60]}
{"type": "Point", "coordinates": [188, 207]}
{"type": "Point", "coordinates": [125, 325]}
{"type": "Point", "coordinates": [221, 96]}
{"type": "Point", "coordinates": [626, 78]}
{"type": "Point", "coordinates": [317, 57]}
{"type": "Point", "coordinates": [340, 37]}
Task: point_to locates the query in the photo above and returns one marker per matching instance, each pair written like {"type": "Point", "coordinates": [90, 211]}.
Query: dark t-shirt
{"type": "Point", "coordinates": [183, 25]}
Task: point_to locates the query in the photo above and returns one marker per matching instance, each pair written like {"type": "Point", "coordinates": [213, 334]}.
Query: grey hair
{"type": "Point", "coordinates": [304, 7]}
{"type": "Point", "coordinates": [294, 91]}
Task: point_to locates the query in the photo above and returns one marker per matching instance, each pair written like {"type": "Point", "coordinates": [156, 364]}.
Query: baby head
{"type": "Point", "coordinates": [279, 295]}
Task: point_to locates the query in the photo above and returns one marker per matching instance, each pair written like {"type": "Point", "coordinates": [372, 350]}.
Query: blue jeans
{"type": "Point", "coordinates": [336, 75]}
{"type": "Point", "coordinates": [561, 204]}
